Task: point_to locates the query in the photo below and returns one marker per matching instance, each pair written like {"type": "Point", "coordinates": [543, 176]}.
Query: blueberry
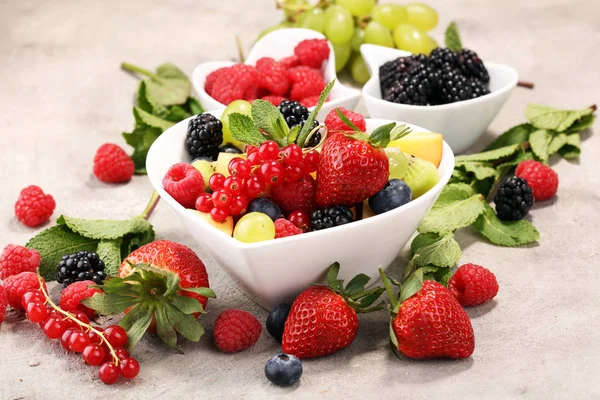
{"type": "Point", "coordinates": [395, 193]}
{"type": "Point", "coordinates": [209, 159]}
{"type": "Point", "coordinates": [276, 320]}
{"type": "Point", "coordinates": [265, 206]}
{"type": "Point", "coordinates": [283, 369]}
{"type": "Point", "coordinates": [229, 148]}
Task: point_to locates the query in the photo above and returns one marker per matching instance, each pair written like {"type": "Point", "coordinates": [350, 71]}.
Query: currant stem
{"type": "Point", "coordinates": [525, 84]}
{"type": "Point", "coordinates": [82, 324]}
{"type": "Point", "coordinates": [154, 199]}
{"type": "Point", "coordinates": [136, 69]}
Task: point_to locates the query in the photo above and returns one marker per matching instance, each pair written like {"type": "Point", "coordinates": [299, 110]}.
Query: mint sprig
{"type": "Point", "coordinates": [310, 121]}
{"type": "Point", "coordinates": [452, 37]}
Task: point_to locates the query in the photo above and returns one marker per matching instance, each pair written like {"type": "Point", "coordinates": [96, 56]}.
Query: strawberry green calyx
{"type": "Point", "coordinates": [354, 293]}
{"type": "Point", "coordinates": [411, 285]}
{"type": "Point", "coordinates": [381, 136]}
{"type": "Point", "coordinates": [151, 294]}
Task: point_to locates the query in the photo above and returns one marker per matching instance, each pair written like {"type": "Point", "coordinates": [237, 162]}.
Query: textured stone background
{"type": "Point", "coordinates": [62, 95]}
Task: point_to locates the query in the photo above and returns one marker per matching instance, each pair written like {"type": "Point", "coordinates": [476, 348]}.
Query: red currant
{"type": "Point", "coordinates": [272, 172]}
{"type": "Point", "coordinates": [121, 353]}
{"type": "Point", "coordinates": [300, 219]}
{"type": "Point", "coordinates": [93, 354]}
{"type": "Point", "coordinates": [269, 150]}
{"type": "Point", "coordinates": [239, 167]}
{"type": "Point", "coordinates": [238, 205]}
{"type": "Point", "coordinates": [78, 341]}
{"type": "Point", "coordinates": [81, 317]}
{"type": "Point", "coordinates": [94, 337]}
{"type": "Point", "coordinates": [219, 214]}
{"type": "Point", "coordinates": [36, 311]}
{"type": "Point", "coordinates": [108, 373]}
{"type": "Point", "coordinates": [311, 161]}
{"type": "Point", "coordinates": [251, 149]}
{"type": "Point", "coordinates": [64, 339]}
{"type": "Point", "coordinates": [234, 184]}
{"type": "Point", "coordinates": [221, 198]}
{"type": "Point", "coordinates": [216, 181]}
{"type": "Point", "coordinates": [254, 158]}
{"type": "Point", "coordinates": [55, 327]}
{"type": "Point", "coordinates": [130, 368]}
{"type": "Point", "coordinates": [294, 172]}
{"type": "Point", "coordinates": [292, 155]}
{"type": "Point", "coordinates": [116, 335]}
{"type": "Point", "coordinates": [30, 296]}
{"type": "Point", "coordinates": [204, 202]}
{"type": "Point", "coordinates": [254, 187]}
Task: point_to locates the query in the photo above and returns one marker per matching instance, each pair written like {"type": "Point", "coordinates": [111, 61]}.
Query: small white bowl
{"type": "Point", "coordinates": [277, 270]}
{"type": "Point", "coordinates": [461, 123]}
{"type": "Point", "coordinates": [280, 44]}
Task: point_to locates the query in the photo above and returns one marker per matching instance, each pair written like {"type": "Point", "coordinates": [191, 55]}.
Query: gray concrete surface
{"type": "Point", "coordinates": [62, 95]}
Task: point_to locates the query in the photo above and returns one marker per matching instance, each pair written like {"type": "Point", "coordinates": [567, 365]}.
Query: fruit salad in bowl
{"type": "Point", "coordinates": [280, 207]}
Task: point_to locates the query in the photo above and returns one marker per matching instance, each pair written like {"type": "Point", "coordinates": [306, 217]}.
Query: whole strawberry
{"type": "Point", "coordinates": [72, 295]}
{"type": "Point", "coordinates": [473, 285]}
{"type": "Point", "coordinates": [323, 319]}
{"type": "Point", "coordinates": [16, 259]}
{"type": "Point", "coordinates": [541, 178]}
{"type": "Point", "coordinates": [236, 330]}
{"type": "Point", "coordinates": [3, 304]}
{"type": "Point", "coordinates": [296, 196]}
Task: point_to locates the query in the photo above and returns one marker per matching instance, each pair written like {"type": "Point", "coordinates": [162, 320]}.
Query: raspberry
{"type": "Point", "coordinates": [112, 164]}
{"type": "Point", "coordinates": [3, 304]}
{"type": "Point", "coordinates": [213, 77]}
{"type": "Point", "coordinates": [541, 178]}
{"type": "Point", "coordinates": [272, 76]}
{"type": "Point", "coordinates": [312, 52]}
{"type": "Point", "coordinates": [184, 183]}
{"type": "Point", "coordinates": [251, 93]}
{"type": "Point", "coordinates": [273, 99]}
{"type": "Point", "coordinates": [236, 330]}
{"type": "Point", "coordinates": [306, 82]}
{"type": "Point", "coordinates": [284, 228]}
{"type": "Point", "coordinates": [310, 101]}
{"type": "Point", "coordinates": [16, 286]}
{"type": "Point", "coordinates": [513, 199]}
{"type": "Point", "coordinates": [296, 196]}
{"type": "Point", "coordinates": [334, 123]}
{"type": "Point", "coordinates": [233, 84]}
{"type": "Point", "coordinates": [290, 62]}
{"type": "Point", "coordinates": [473, 285]}
{"type": "Point", "coordinates": [16, 259]}
{"type": "Point", "coordinates": [71, 296]}
{"type": "Point", "coordinates": [33, 207]}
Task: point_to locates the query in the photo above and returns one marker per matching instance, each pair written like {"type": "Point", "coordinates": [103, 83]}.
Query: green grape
{"type": "Point", "coordinates": [313, 19]}
{"type": "Point", "coordinates": [342, 55]}
{"type": "Point", "coordinates": [359, 70]}
{"type": "Point", "coordinates": [254, 227]}
{"type": "Point", "coordinates": [422, 16]}
{"type": "Point", "coordinates": [357, 7]}
{"type": "Point", "coordinates": [358, 38]}
{"type": "Point", "coordinates": [340, 25]}
{"type": "Point", "coordinates": [398, 162]}
{"type": "Point", "coordinates": [238, 106]}
{"type": "Point", "coordinates": [291, 7]}
{"type": "Point", "coordinates": [375, 33]}
{"type": "Point", "coordinates": [412, 39]}
{"type": "Point", "coordinates": [389, 15]}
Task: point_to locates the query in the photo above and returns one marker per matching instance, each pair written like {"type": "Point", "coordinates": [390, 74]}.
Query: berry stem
{"type": "Point", "coordinates": [323, 137]}
{"type": "Point", "coordinates": [593, 107]}
{"type": "Point", "coordinates": [240, 48]}
{"type": "Point", "coordinates": [136, 69]}
{"type": "Point", "coordinates": [388, 289]}
{"type": "Point", "coordinates": [78, 322]}
{"type": "Point", "coordinates": [154, 199]}
{"type": "Point", "coordinates": [525, 84]}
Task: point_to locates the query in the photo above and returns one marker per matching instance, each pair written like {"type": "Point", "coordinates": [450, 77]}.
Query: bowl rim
{"type": "Point", "coordinates": [367, 88]}
{"type": "Point", "coordinates": [447, 161]}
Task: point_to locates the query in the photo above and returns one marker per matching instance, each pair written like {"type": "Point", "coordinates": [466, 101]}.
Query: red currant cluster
{"type": "Point", "coordinates": [97, 346]}
{"type": "Point", "coordinates": [267, 165]}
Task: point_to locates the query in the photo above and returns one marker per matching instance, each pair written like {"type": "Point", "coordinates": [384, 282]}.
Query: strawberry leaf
{"type": "Point", "coordinates": [185, 324]}
{"type": "Point", "coordinates": [110, 305]}
{"type": "Point", "coordinates": [206, 292]}
{"type": "Point", "coordinates": [399, 132]}
{"type": "Point", "coordinates": [380, 137]}
{"type": "Point", "coordinates": [412, 285]}
{"type": "Point", "coordinates": [187, 305]}
{"type": "Point", "coordinates": [346, 120]}
{"type": "Point", "coordinates": [136, 323]}
{"type": "Point", "coordinates": [165, 330]}
{"type": "Point", "coordinates": [357, 284]}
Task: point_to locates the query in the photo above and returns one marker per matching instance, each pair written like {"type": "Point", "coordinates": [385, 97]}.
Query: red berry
{"type": "Point", "coordinates": [108, 373]}
{"type": "Point", "coordinates": [300, 219]}
{"type": "Point", "coordinates": [3, 304]}
{"type": "Point", "coordinates": [204, 202]}
{"type": "Point", "coordinates": [541, 178]}
{"type": "Point", "coordinates": [254, 158]}
{"type": "Point", "coordinates": [254, 187]}
{"type": "Point", "coordinates": [290, 62]}
{"type": "Point", "coordinates": [251, 149]}
{"type": "Point", "coordinates": [33, 207]}
{"type": "Point", "coordinates": [65, 338]}
{"type": "Point", "coordinates": [78, 341]}
{"type": "Point", "coordinates": [272, 76]}
{"type": "Point", "coordinates": [335, 124]}
{"type": "Point", "coordinates": [184, 183]}
{"type": "Point", "coordinates": [239, 167]}
{"type": "Point", "coordinates": [112, 164]}
{"type": "Point", "coordinates": [94, 337]}
{"type": "Point", "coordinates": [473, 285]}
{"type": "Point", "coordinates": [236, 330]}
{"type": "Point", "coordinates": [72, 295]}
{"type": "Point", "coordinates": [93, 354]}
{"type": "Point", "coordinates": [272, 172]}
{"type": "Point", "coordinates": [312, 52]}
{"type": "Point", "coordinates": [234, 184]}
{"type": "Point", "coordinates": [310, 101]}
{"type": "Point", "coordinates": [294, 172]}
{"type": "Point", "coordinates": [306, 82]}
{"type": "Point", "coordinates": [17, 285]}
{"type": "Point", "coordinates": [80, 316]}
{"type": "Point", "coordinates": [234, 83]}
{"type": "Point", "coordinates": [274, 99]}
{"type": "Point", "coordinates": [284, 228]}
{"type": "Point", "coordinates": [130, 368]}
{"type": "Point", "coordinates": [221, 198]}
{"type": "Point", "coordinates": [36, 312]}
{"type": "Point", "coordinates": [292, 155]}
{"type": "Point", "coordinates": [296, 196]}
{"type": "Point", "coordinates": [219, 214]}
{"type": "Point", "coordinates": [238, 205]}
{"type": "Point", "coordinates": [16, 259]}
{"type": "Point", "coordinates": [54, 327]}
{"type": "Point", "coordinates": [121, 353]}
{"type": "Point", "coordinates": [213, 77]}
{"type": "Point", "coordinates": [311, 161]}
{"type": "Point", "coordinates": [269, 150]}
{"type": "Point", "coordinates": [32, 296]}
{"type": "Point", "coordinates": [216, 181]}
{"type": "Point", "coordinates": [116, 335]}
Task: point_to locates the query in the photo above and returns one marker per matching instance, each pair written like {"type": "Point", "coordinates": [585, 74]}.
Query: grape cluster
{"type": "Point", "coordinates": [350, 23]}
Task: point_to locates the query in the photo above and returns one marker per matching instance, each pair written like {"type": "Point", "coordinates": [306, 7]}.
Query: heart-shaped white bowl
{"type": "Point", "coordinates": [461, 123]}
{"type": "Point", "coordinates": [277, 270]}
{"type": "Point", "coordinates": [280, 44]}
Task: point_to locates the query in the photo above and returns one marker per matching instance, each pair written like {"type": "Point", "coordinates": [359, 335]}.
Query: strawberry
{"type": "Point", "coordinates": [323, 319]}
{"type": "Point", "coordinates": [428, 322]}
{"type": "Point", "coordinates": [162, 282]}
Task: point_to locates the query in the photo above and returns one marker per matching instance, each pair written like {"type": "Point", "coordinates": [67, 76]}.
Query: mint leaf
{"type": "Point", "coordinates": [557, 143]}
{"type": "Point", "coordinates": [293, 134]}
{"type": "Point", "coordinates": [491, 155]}
{"type": "Point", "coordinates": [141, 139]}
{"type": "Point", "coordinates": [480, 169]}
{"type": "Point", "coordinates": [452, 37]}
{"type": "Point", "coordinates": [457, 207]}
{"type": "Point", "coordinates": [193, 106]}
{"type": "Point", "coordinates": [176, 114]}
{"type": "Point", "coordinates": [572, 148]}
{"type": "Point", "coordinates": [310, 121]}
{"type": "Point", "coordinates": [540, 142]}
{"type": "Point", "coordinates": [346, 120]}
{"type": "Point", "coordinates": [438, 274]}
{"type": "Point", "coordinates": [460, 176]}
{"type": "Point", "coordinates": [507, 166]}
{"type": "Point", "coordinates": [267, 118]}
{"type": "Point", "coordinates": [109, 252]}
{"type": "Point", "coordinates": [515, 135]}
{"type": "Point", "coordinates": [583, 123]}
{"type": "Point", "coordinates": [380, 137]}
{"type": "Point", "coordinates": [147, 104]}
{"type": "Point", "coordinates": [431, 249]}
{"type": "Point", "coordinates": [243, 129]}
{"type": "Point", "coordinates": [143, 119]}
{"type": "Point", "coordinates": [544, 117]}
{"type": "Point", "coordinates": [168, 86]}
{"type": "Point", "coordinates": [55, 242]}
{"type": "Point", "coordinates": [105, 228]}
{"type": "Point", "coordinates": [515, 233]}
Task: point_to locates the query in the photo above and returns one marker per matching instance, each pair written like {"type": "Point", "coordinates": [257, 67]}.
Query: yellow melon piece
{"type": "Point", "coordinates": [222, 166]}
{"type": "Point", "coordinates": [226, 227]}
{"type": "Point", "coordinates": [425, 145]}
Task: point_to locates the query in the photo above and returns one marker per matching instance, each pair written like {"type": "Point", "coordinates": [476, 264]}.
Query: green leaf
{"type": "Point", "coordinates": [399, 132]}
{"type": "Point", "coordinates": [346, 120]}
{"type": "Point", "coordinates": [110, 304]}
{"type": "Point", "coordinates": [371, 297]}
{"type": "Point", "coordinates": [141, 139]}
{"type": "Point", "coordinates": [267, 118]}
{"type": "Point", "coordinates": [105, 228]}
{"type": "Point", "coordinates": [145, 119]}
{"type": "Point", "coordinates": [176, 114]}
{"type": "Point", "coordinates": [481, 169]}
{"type": "Point", "coordinates": [380, 137]}
{"type": "Point", "coordinates": [136, 323]}
{"type": "Point", "coordinates": [357, 284]}
{"type": "Point", "coordinates": [429, 248]}
{"type": "Point", "coordinates": [515, 233]}
{"type": "Point", "coordinates": [310, 121]}
{"type": "Point", "coordinates": [515, 135]}
{"type": "Point", "coordinates": [193, 105]}
{"type": "Point", "coordinates": [458, 176]}
{"type": "Point", "coordinates": [544, 117]}
{"type": "Point", "coordinates": [147, 104]}
{"type": "Point", "coordinates": [457, 207]}
{"type": "Point", "coordinates": [438, 274]}
{"type": "Point", "coordinates": [293, 134]}
{"type": "Point", "coordinates": [412, 285]}
{"type": "Point", "coordinates": [332, 272]}
{"type": "Point", "coordinates": [507, 166]}
{"type": "Point", "coordinates": [557, 143]}
{"type": "Point", "coordinates": [109, 251]}
{"type": "Point", "coordinates": [572, 148]}
{"type": "Point", "coordinates": [491, 155]}
{"type": "Point", "coordinates": [186, 324]}
{"type": "Point", "coordinates": [452, 37]}
{"type": "Point", "coordinates": [55, 242]}
{"type": "Point", "coordinates": [243, 129]}
{"type": "Point", "coordinates": [581, 124]}
{"type": "Point", "coordinates": [206, 292]}
{"type": "Point", "coordinates": [187, 305]}
{"type": "Point", "coordinates": [165, 329]}
{"type": "Point", "coordinates": [168, 86]}
{"type": "Point", "coordinates": [540, 142]}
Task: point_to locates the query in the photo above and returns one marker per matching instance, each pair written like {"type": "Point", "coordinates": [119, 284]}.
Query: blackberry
{"type": "Point", "coordinates": [453, 87]}
{"type": "Point", "coordinates": [294, 114]}
{"type": "Point", "coordinates": [81, 266]}
{"type": "Point", "coordinates": [443, 57]}
{"type": "Point", "coordinates": [514, 199]}
{"type": "Point", "coordinates": [204, 136]}
{"type": "Point", "coordinates": [472, 66]}
{"type": "Point", "coordinates": [330, 217]}
{"type": "Point", "coordinates": [414, 88]}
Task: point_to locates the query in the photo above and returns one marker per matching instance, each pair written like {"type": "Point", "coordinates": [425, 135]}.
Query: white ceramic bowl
{"type": "Point", "coordinates": [280, 44]}
{"type": "Point", "coordinates": [277, 270]}
{"type": "Point", "coordinates": [461, 123]}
